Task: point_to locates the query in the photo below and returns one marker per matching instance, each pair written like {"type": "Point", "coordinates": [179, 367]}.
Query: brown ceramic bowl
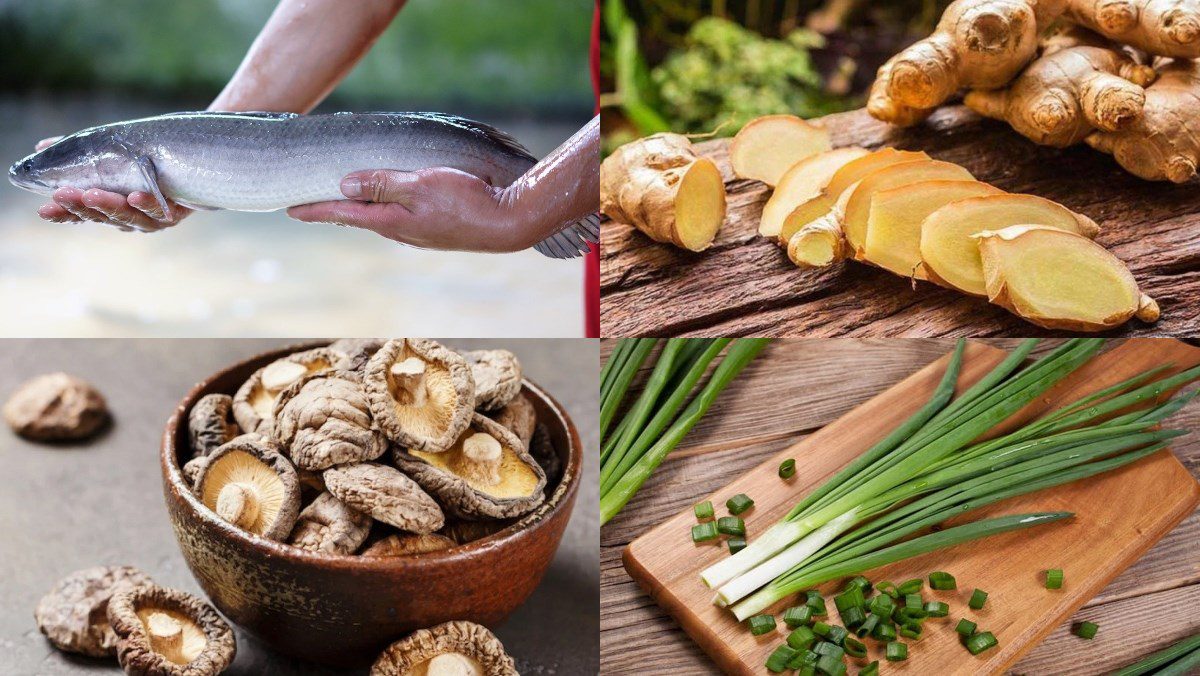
{"type": "Point", "coordinates": [343, 610]}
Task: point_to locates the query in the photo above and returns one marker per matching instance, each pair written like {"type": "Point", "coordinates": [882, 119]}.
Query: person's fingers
{"type": "Point", "coordinates": [341, 212]}
{"type": "Point", "coordinates": [71, 199]}
{"type": "Point", "coordinates": [148, 204]}
{"type": "Point", "coordinates": [56, 214]}
{"type": "Point", "coordinates": [116, 209]}
{"type": "Point", "coordinates": [383, 185]}
{"type": "Point", "coordinates": [46, 142]}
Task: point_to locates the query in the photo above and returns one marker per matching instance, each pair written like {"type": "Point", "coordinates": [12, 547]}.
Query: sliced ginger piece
{"type": "Point", "coordinates": [850, 173]}
{"type": "Point", "coordinates": [769, 145]}
{"type": "Point", "coordinates": [894, 221]}
{"type": "Point", "coordinates": [660, 186]}
{"type": "Point", "coordinates": [950, 256]}
{"type": "Point", "coordinates": [1060, 280]}
{"type": "Point", "coordinates": [803, 181]}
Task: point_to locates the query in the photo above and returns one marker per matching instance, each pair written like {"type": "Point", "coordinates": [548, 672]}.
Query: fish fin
{"type": "Point", "coordinates": [150, 175]}
{"type": "Point", "coordinates": [572, 241]}
{"type": "Point", "coordinates": [196, 207]}
{"type": "Point", "coordinates": [248, 113]}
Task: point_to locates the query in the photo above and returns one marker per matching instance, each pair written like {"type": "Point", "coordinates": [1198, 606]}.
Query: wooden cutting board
{"type": "Point", "coordinates": [1118, 516]}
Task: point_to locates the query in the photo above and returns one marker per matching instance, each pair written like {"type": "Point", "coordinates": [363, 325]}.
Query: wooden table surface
{"type": "Point", "coordinates": [791, 390]}
{"type": "Point", "coordinates": [745, 285]}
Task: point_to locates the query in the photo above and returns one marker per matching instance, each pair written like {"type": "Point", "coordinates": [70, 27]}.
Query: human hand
{"type": "Point", "coordinates": [138, 211]}
{"type": "Point", "coordinates": [437, 208]}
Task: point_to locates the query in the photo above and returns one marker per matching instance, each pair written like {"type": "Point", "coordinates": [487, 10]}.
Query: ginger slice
{"type": "Point", "coordinates": [803, 181]}
{"type": "Point", "coordinates": [660, 186]}
{"type": "Point", "coordinates": [950, 256]}
{"type": "Point", "coordinates": [769, 145]}
{"type": "Point", "coordinates": [894, 221]}
{"type": "Point", "coordinates": [850, 173]}
{"type": "Point", "coordinates": [1060, 280]}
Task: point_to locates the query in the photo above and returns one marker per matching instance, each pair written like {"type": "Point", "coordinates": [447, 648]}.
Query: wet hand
{"type": "Point", "coordinates": [437, 208]}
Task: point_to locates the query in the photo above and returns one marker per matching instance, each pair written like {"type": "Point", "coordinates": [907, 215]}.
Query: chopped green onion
{"type": "Point", "coordinates": [731, 525]}
{"type": "Point", "coordinates": [830, 665]}
{"type": "Point", "coordinates": [854, 616]}
{"type": "Point", "coordinates": [913, 601]}
{"type": "Point", "coordinates": [827, 648]}
{"type": "Point", "coordinates": [882, 606]}
{"type": "Point", "coordinates": [855, 648]}
{"type": "Point", "coordinates": [797, 616]}
{"type": "Point", "coordinates": [739, 503]}
{"type": "Point", "coordinates": [888, 588]}
{"type": "Point", "coordinates": [965, 627]}
{"type": "Point", "coordinates": [942, 581]}
{"type": "Point", "coordinates": [937, 609]}
{"type": "Point", "coordinates": [801, 638]}
{"type": "Point", "coordinates": [704, 510]}
{"type": "Point", "coordinates": [861, 582]}
{"type": "Point", "coordinates": [1054, 578]}
{"type": "Point", "coordinates": [851, 598]}
{"type": "Point", "coordinates": [896, 652]}
{"type": "Point", "coordinates": [871, 669]}
{"type": "Point", "coordinates": [761, 624]}
{"type": "Point", "coordinates": [800, 659]}
{"type": "Point", "coordinates": [704, 532]}
{"type": "Point", "coordinates": [1086, 630]}
{"type": "Point", "coordinates": [867, 626]}
{"type": "Point", "coordinates": [911, 630]}
{"type": "Point", "coordinates": [837, 635]}
{"type": "Point", "coordinates": [787, 469]}
{"type": "Point", "coordinates": [905, 615]}
{"type": "Point", "coordinates": [822, 629]}
{"type": "Point", "coordinates": [884, 632]}
{"type": "Point", "coordinates": [980, 642]}
{"type": "Point", "coordinates": [978, 598]}
{"type": "Point", "coordinates": [912, 586]}
{"type": "Point", "coordinates": [778, 660]}
{"type": "Point", "coordinates": [816, 602]}
{"type": "Point", "coordinates": [736, 544]}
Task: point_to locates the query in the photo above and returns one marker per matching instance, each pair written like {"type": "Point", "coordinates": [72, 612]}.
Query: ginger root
{"type": "Point", "coordinates": [1060, 280]}
{"type": "Point", "coordinates": [1165, 143]}
{"type": "Point", "coordinates": [1159, 27]}
{"type": "Point", "coordinates": [768, 146]}
{"type": "Point", "coordinates": [1061, 98]}
{"type": "Point", "coordinates": [802, 182]}
{"type": "Point", "coordinates": [660, 186]}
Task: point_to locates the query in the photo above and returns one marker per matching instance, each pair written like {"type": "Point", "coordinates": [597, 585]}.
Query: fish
{"type": "Point", "coordinates": [257, 161]}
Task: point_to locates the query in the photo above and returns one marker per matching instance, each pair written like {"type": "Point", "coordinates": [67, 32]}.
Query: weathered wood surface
{"type": "Point", "coordinates": [638, 637]}
{"type": "Point", "coordinates": [745, 285]}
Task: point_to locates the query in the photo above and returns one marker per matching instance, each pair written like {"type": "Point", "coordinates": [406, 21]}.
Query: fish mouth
{"type": "Point", "coordinates": [19, 176]}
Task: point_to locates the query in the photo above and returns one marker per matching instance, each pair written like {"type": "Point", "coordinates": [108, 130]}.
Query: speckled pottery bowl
{"type": "Point", "coordinates": [343, 610]}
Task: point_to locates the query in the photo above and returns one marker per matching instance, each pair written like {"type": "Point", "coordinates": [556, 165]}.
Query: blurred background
{"type": "Point", "coordinates": [703, 66]}
{"type": "Point", "coordinates": [70, 64]}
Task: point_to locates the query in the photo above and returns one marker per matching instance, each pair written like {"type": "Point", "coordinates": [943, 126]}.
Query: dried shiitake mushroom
{"type": "Point", "coordinates": [323, 420]}
{"type": "Point", "coordinates": [72, 615]}
{"type": "Point", "coordinates": [211, 423]}
{"type": "Point", "coordinates": [421, 393]}
{"type": "Point", "coordinates": [541, 447]}
{"type": "Point", "coordinates": [408, 544]}
{"type": "Point", "coordinates": [331, 527]}
{"type": "Point", "coordinates": [497, 375]}
{"type": "Point", "coordinates": [355, 352]}
{"type": "Point", "coordinates": [192, 469]}
{"type": "Point", "coordinates": [385, 494]}
{"type": "Point", "coordinates": [485, 474]}
{"type": "Point", "coordinates": [254, 402]}
{"type": "Point", "coordinates": [456, 648]}
{"type": "Point", "coordinates": [519, 417]}
{"type": "Point", "coordinates": [167, 632]}
{"type": "Point", "coordinates": [463, 532]}
{"type": "Point", "coordinates": [56, 407]}
{"type": "Point", "coordinates": [249, 484]}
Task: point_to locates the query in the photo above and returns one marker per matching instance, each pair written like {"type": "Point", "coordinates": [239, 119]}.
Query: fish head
{"type": "Point", "coordinates": [92, 158]}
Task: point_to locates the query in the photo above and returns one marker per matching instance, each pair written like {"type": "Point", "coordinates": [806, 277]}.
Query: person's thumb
{"type": "Point", "coordinates": [382, 185]}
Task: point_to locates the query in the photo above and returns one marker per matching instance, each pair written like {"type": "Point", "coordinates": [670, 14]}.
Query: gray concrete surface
{"type": "Point", "coordinates": [63, 508]}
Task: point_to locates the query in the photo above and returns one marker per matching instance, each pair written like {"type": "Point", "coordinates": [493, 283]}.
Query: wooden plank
{"type": "Point", "coordinates": [744, 284]}
{"type": "Point", "coordinates": [1091, 555]}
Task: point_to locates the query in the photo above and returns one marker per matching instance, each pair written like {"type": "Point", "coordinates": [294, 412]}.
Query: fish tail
{"type": "Point", "coordinates": [572, 241]}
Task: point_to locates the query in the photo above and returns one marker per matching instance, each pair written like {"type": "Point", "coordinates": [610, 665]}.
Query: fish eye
{"type": "Point", "coordinates": [27, 165]}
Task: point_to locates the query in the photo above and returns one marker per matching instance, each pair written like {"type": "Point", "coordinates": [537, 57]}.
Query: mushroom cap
{"type": "Point", "coordinates": [72, 614]}
{"type": "Point", "coordinates": [541, 447]}
{"type": "Point", "coordinates": [446, 476]}
{"type": "Point", "coordinates": [519, 417]}
{"type": "Point", "coordinates": [324, 419]}
{"type": "Point", "coordinates": [330, 526]}
{"type": "Point", "coordinates": [56, 407]}
{"type": "Point", "coordinates": [385, 494]}
{"type": "Point", "coordinates": [408, 544]}
{"type": "Point", "coordinates": [206, 645]}
{"type": "Point", "coordinates": [497, 375]}
{"type": "Point", "coordinates": [211, 423]}
{"type": "Point", "coordinates": [356, 352]}
{"type": "Point", "coordinates": [433, 421]}
{"type": "Point", "coordinates": [192, 468]}
{"type": "Point", "coordinates": [255, 464]}
{"type": "Point", "coordinates": [254, 402]}
{"type": "Point", "coordinates": [464, 638]}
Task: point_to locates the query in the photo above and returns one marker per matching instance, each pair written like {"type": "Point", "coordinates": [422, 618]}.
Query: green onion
{"type": "Point", "coordinates": [830, 665]}
{"type": "Point", "coordinates": [871, 669]}
{"type": "Point", "coordinates": [797, 616]}
{"type": "Point", "coordinates": [965, 627]}
{"type": "Point", "coordinates": [980, 642]}
{"type": "Point", "coordinates": [978, 598]}
{"type": "Point", "coordinates": [912, 586]}
{"type": "Point", "coordinates": [884, 632]}
{"type": "Point", "coordinates": [739, 503]}
{"type": "Point", "coordinates": [942, 581]}
{"type": "Point", "coordinates": [731, 525]}
{"type": "Point", "coordinates": [1086, 630]}
{"type": "Point", "coordinates": [837, 635]}
{"type": "Point", "coordinates": [778, 660]}
{"type": "Point", "coordinates": [911, 630]}
{"type": "Point", "coordinates": [787, 469]}
{"type": "Point", "coordinates": [816, 602]}
{"type": "Point", "coordinates": [822, 629]}
{"type": "Point", "coordinates": [622, 377]}
{"type": "Point", "coordinates": [704, 510]}
{"type": "Point", "coordinates": [854, 616]}
{"type": "Point", "coordinates": [882, 606]}
{"type": "Point", "coordinates": [736, 544]}
{"type": "Point", "coordinates": [704, 532]}
{"type": "Point", "coordinates": [829, 648]}
{"type": "Point", "coordinates": [937, 609]}
{"type": "Point", "coordinates": [888, 588]}
{"type": "Point", "coordinates": [896, 652]}
{"type": "Point", "coordinates": [913, 601]}
{"type": "Point", "coordinates": [801, 658]}
{"type": "Point", "coordinates": [761, 624]}
{"type": "Point", "coordinates": [861, 582]}
{"type": "Point", "coordinates": [1054, 578]}
{"type": "Point", "coordinates": [801, 637]}
{"type": "Point", "coordinates": [1170, 656]}
{"type": "Point", "coordinates": [851, 598]}
{"type": "Point", "coordinates": [868, 625]}
{"type": "Point", "coordinates": [855, 648]}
